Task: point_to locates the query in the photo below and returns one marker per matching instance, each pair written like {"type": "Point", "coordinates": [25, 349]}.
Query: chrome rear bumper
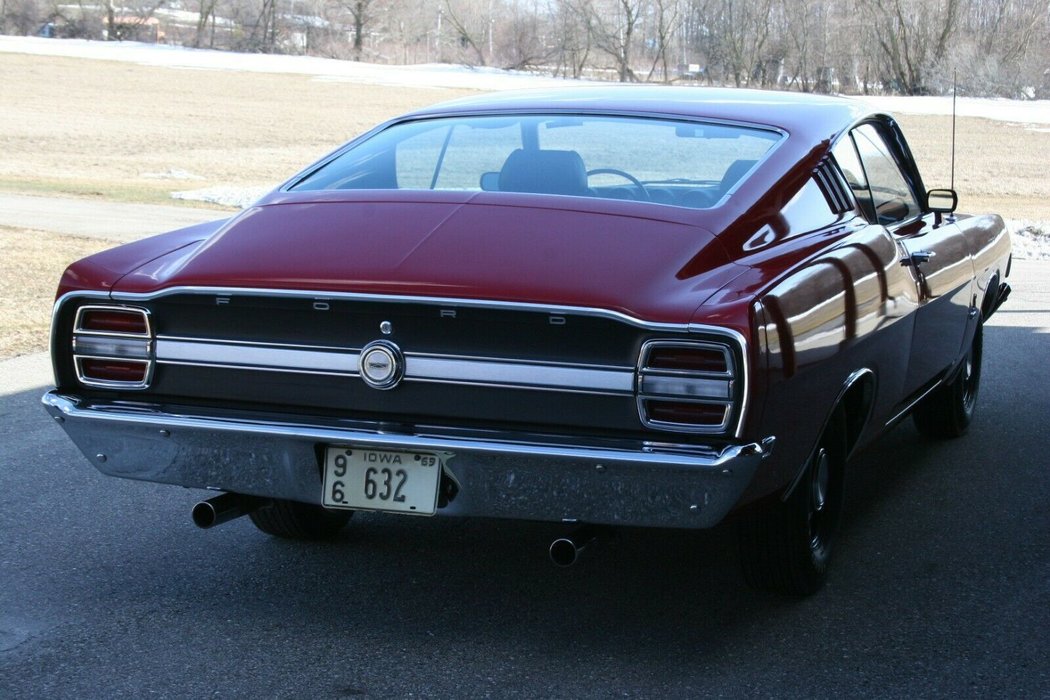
{"type": "Point", "coordinates": [497, 474]}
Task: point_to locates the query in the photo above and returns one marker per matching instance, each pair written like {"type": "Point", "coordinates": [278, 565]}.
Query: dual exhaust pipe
{"type": "Point", "coordinates": [567, 549]}
{"type": "Point", "coordinates": [224, 508]}
{"type": "Point", "coordinates": [563, 551]}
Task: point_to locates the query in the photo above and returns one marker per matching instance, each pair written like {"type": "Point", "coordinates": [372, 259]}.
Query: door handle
{"type": "Point", "coordinates": [917, 258]}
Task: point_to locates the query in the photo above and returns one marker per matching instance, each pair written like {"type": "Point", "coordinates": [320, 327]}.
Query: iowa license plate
{"type": "Point", "coordinates": [381, 480]}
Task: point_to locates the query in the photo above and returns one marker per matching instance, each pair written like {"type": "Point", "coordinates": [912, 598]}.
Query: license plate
{"type": "Point", "coordinates": [381, 480]}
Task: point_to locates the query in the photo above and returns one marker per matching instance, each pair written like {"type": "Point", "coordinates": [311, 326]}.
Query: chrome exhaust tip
{"type": "Point", "coordinates": [222, 509]}
{"type": "Point", "coordinates": [566, 550]}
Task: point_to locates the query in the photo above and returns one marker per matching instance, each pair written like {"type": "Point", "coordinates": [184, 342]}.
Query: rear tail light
{"type": "Point", "coordinates": [112, 372]}
{"type": "Point", "coordinates": [683, 413]}
{"type": "Point", "coordinates": [116, 321]}
{"type": "Point", "coordinates": [688, 359]}
{"type": "Point", "coordinates": [113, 347]}
{"type": "Point", "coordinates": [686, 386]}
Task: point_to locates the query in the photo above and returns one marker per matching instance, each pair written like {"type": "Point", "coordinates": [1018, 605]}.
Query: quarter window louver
{"type": "Point", "coordinates": [833, 188]}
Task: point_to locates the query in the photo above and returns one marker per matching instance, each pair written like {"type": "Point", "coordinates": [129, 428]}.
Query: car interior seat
{"type": "Point", "coordinates": [544, 172]}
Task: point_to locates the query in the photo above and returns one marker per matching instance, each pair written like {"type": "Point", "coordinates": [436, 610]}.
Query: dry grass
{"type": "Point", "coordinates": [31, 263]}
{"type": "Point", "coordinates": [103, 128]}
{"type": "Point", "coordinates": [999, 167]}
{"type": "Point", "coordinates": [106, 129]}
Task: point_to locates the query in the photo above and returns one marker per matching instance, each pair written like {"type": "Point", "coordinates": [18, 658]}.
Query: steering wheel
{"type": "Point", "coordinates": [625, 175]}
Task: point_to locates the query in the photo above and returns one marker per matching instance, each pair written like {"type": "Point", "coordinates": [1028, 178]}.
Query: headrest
{"type": "Point", "coordinates": [734, 172]}
{"type": "Point", "coordinates": [544, 172]}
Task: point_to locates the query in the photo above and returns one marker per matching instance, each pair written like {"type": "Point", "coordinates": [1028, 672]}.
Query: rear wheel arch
{"type": "Point", "coordinates": [990, 296]}
{"type": "Point", "coordinates": [786, 546]}
{"type": "Point", "coordinates": [947, 411]}
{"type": "Point", "coordinates": [853, 408]}
{"type": "Point", "coordinates": [856, 402]}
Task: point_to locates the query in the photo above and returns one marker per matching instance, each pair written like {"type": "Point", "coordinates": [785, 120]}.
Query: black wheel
{"type": "Point", "coordinates": [948, 410]}
{"type": "Point", "coordinates": [786, 547]}
{"type": "Point", "coordinates": [626, 176]}
{"type": "Point", "coordinates": [299, 521]}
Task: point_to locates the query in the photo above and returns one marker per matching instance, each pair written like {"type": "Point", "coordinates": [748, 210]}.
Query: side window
{"type": "Point", "coordinates": [455, 157]}
{"type": "Point", "coordinates": [475, 149]}
{"type": "Point", "coordinates": [846, 156]}
{"type": "Point", "coordinates": [417, 158]}
{"type": "Point", "coordinates": [892, 196]}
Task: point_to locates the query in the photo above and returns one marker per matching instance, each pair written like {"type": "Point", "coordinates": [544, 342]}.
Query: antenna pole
{"type": "Point", "coordinates": [955, 90]}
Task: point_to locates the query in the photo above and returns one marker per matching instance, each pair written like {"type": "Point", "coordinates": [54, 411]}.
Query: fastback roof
{"type": "Point", "coordinates": [796, 113]}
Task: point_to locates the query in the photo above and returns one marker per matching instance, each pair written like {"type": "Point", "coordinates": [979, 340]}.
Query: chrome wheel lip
{"type": "Point", "coordinates": [970, 375]}
{"type": "Point", "coordinates": [821, 476]}
{"type": "Point", "coordinates": [969, 381]}
{"type": "Point", "coordinates": [818, 517]}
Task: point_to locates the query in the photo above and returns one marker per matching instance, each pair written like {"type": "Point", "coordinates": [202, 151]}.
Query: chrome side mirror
{"type": "Point", "coordinates": [942, 201]}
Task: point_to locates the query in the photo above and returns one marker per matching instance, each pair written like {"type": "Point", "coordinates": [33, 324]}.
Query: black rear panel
{"type": "Point", "coordinates": [508, 367]}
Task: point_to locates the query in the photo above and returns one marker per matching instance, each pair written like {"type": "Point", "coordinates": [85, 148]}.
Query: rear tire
{"type": "Point", "coordinates": [948, 410]}
{"type": "Point", "coordinates": [786, 547]}
{"type": "Point", "coordinates": [299, 521]}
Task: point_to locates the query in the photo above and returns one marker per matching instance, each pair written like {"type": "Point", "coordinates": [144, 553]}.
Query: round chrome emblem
{"type": "Point", "coordinates": [382, 365]}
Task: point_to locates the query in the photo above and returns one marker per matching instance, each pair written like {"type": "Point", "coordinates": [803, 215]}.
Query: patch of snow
{"type": "Point", "coordinates": [1031, 239]}
{"type": "Point", "coordinates": [423, 75]}
{"type": "Point", "coordinates": [1028, 112]}
{"type": "Point", "coordinates": [172, 174]}
{"type": "Point", "coordinates": [440, 75]}
{"type": "Point", "coordinates": [227, 196]}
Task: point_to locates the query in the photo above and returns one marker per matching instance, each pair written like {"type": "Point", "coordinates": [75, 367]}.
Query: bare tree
{"type": "Point", "coordinates": [520, 38]}
{"type": "Point", "coordinates": [259, 23]}
{"type": "Point", "coordinates": [736, 33]}
{"type": "Point", "coordinates": [1004, 48]}
{"type": "Point", "coordinates": [205, 12]}
{"type": "Point", "coordinates": [469, 24]}
{"type": "Point", "coordinates": [998, 47]}
{"type": "Point", "coordinates": [360, 14]}
{"type": "Point", "coordinates": [24, 16]}
{"type": "Point", "coordinates": [572, 39]}
{"type": "Point", "coordinates": [912, 36]}
{"type": "Point", "coordinates": [804, 34]}
{"type": "Point", "coordinates": [612, 26]}
{"type": "Point", "coordinates": [666, 18]}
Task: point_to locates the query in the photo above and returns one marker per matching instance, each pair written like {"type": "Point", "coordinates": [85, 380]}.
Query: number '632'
{"type": "Point", "coordinates": [385, 484]}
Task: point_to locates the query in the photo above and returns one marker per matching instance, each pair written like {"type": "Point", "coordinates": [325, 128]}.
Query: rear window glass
{"type": "Point", "coordinates": [676, 163]}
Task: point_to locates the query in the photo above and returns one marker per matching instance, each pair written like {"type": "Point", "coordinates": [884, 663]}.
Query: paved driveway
{"type": "Point", "coordinates": [87, 217]}
{"type": "Point", "coordinates": [940, 588]}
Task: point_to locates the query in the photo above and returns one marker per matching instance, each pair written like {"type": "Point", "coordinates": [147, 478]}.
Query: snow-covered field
{"type": "Point", "coordinates": [443, 75]}
{"type": "Point", "coordinates": [438, 75]}
{"type": "Point", "coordinates": [1031, 238]}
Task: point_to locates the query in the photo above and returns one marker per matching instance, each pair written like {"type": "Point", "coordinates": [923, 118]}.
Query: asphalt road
{"type": "Point", "coordinates": [940, 585]}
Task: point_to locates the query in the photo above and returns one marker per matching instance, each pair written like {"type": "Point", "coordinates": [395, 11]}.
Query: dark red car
{"type": "Point", "coordinates": [614, 307]}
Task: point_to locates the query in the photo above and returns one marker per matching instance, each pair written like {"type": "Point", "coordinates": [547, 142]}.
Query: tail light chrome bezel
{"type": "Point", "coordinates": [129, 348]}
{"type": "Point", "coordinates": [717, 389]}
